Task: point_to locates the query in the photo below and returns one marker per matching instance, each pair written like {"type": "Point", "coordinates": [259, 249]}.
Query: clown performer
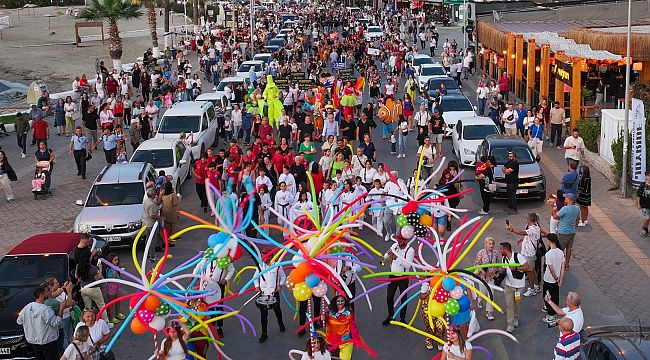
{"type": "Point", "coordinates": [438, 329]}
{"type": "Point", "coordinates": [349, 99]}
{"type": "Point", "coordinates": [214, 278]}
{"type": "Point", "coordinates": [275, 107]}
{"type": "Point", "coordinates": [341, 328]}
{"type": "Point", "coordinates": [317, 111]}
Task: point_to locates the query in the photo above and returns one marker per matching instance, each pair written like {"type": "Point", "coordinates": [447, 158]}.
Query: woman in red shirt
{"type": "Point", "coordinates": [317, 177]}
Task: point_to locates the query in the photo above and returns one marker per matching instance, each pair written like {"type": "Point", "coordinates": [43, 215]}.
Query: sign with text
{"type": "Point", "coordinates": [562, 71]}
{"type": "Point", "coordinates": [347, 75]}
{"type": "Point", "coordinates": [338, 65]}
{"type": "Point", "coordinates": [372, 51]}
{"type": "Point", "coordinates": [282, 84]}
{"type": "Point", "coordinates": [637, 117]}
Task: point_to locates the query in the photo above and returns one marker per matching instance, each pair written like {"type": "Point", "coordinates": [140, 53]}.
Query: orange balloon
{"type": "Point", "coordinates": [296, 276]}
{"type": "Point", "coordinates": [434, 280]}
{"type": "Point", "coordinates": [426, 220]}
{"type": "Point", "coordinates": [137, 326]}
{"type": "Point", "coordinates": [151, 303]}
{"type": "Point", "coordinates": [303, 269]}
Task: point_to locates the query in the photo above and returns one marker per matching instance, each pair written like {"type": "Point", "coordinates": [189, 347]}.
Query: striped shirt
{"type": "Point", "coordinates": [568, 347]}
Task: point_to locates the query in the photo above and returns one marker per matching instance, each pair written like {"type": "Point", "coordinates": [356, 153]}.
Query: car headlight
{"type": "Point", "coordinates": [468, 152]}
{"type": "Point", "coordinates": [135, 225]}
{"type": "Point", "coordinates": [84, 229]}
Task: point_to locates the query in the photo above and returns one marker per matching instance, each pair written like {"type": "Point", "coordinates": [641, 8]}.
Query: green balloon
{"type": "Point", "coordinates": [402, 220]}
{"type": "Point", "coordinates": [222, 263]}
{"type": "Point", "coordinates": [208, 253]}
{"type": "Point", "coordinates": [452, 307]}
{"type": "Point", "coordinates": [163, 309]}
{"type": "Point", "coordinates": [337, 249]}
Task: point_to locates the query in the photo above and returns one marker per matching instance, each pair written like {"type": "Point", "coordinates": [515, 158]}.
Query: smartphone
{"type": "Point", "coordinates": [507, 222]}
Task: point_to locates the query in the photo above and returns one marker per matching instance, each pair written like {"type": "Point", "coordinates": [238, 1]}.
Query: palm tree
{"type": "Point", "coordinates": [151, 19]}
{"type": "Point", "coordinates": [166, 23]}
{"type": "Point", "coordinates": [112, 11]}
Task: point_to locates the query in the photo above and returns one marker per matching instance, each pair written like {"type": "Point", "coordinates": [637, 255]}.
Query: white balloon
{"type": "Point", "coordinates": [158, 323]}
{"type": "Point", "coordinates": [223, 252]}
{"type": "Point", "coordinates": [232, 243]}
{"type": "Point", "coordinates": [408, 232]}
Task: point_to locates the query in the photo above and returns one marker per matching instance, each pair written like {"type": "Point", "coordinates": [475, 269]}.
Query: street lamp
{"type": "Point", "coordinates": [184, 2]}
{"type": "Point", "coordinates": [627, 99]}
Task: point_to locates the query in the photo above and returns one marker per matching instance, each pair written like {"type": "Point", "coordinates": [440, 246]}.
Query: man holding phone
{"type": "Point", "coordinates": [511, 171]}
{"type": "Point", "coordinates": [513, 284]}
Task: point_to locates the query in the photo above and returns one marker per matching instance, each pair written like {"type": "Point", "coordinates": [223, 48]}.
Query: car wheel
{"type": "Point", "coordinates": [542, 197]}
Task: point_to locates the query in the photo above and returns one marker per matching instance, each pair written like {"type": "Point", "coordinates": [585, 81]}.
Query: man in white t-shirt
{"type": "Point", "coordinates": [572, 310]}
{"type": "Point", "coordinates": [531, 234]}
{"type": "Point", "coordinates": [553, 275]}
{"type": "Point", "coordinates": [509, 120]}
{"type": "Point", "coordinates": [574, 147]}
{"type": "Point", "coordinates": [513, 284]}
{"type": "Point", "coordinates": [430, 156]}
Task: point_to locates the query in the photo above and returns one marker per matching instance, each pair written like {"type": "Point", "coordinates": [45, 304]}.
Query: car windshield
{"type": "Point", "coordinates": [450, 84]}
{"type": "Point", "coordinates": [116, 194]}
{"type": "Point", "coordinates": [424, 60]}
{"type": "Point", "coordinates": [276, 41]}
{"type": "Point", "coordinates": [478, 132]}
{"type": "Point", "coordinates": [159, 158]}
{"type": "Point", "coordinates": [524, 156]}
{"type": "Point", "coordinates": [246, 67]}
{"type": "Point", "coordinates": [178, 124]}
{"type": "Point", "coordinates": [372, 29]}
{"type": "Point", "coordinates": [456, 104]}
{"type": "Point", "coordinates": [432, 70]}
{"type": "Point", "coordinates": [222, 85]}
{"type": "Point", "coordinates": [32, 270]}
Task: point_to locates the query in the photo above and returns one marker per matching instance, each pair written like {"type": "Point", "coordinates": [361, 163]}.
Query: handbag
{"type": "Point", "coordinates": [101, 355]}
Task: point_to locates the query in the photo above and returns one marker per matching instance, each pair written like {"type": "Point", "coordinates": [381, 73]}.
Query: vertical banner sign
{"type": "Point", "coordinates": [638, 165]}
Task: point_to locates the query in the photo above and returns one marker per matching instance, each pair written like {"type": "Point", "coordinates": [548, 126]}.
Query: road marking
{"type": "Point", "coordinates": [608, 225]}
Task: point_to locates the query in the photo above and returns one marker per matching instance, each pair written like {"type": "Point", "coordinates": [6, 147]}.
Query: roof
{"type": "Point", "coordinates": [251, 62]}
{"type": "Point", "coordinates": [421, 56]}
{"type": "Point", "coordinates": [502, 139]}
{"type": "Point", "coordinates": [187, 108]}
{"type": "Point", "coordinates": [122, 172]}
{"type": "Point", "coordinates": [157, 143]}
{"type": "Point", "coordinates": [477, 120]}
{"type": "Point", "coordinates": [570, 47]}
{"type": "Point", "coordinates": [216, 95]}
{"type": "Point", "coordinates": [231, 79]}
{"type": "Point", "coordinates": [48, 243]}
{"type": "Point", "coordinates": [431, 65]}
{"type": "Point", "coordinates": [630, 340]}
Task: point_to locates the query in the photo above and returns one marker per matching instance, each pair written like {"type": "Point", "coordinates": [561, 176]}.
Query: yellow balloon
{"type": "Point", "coordinates": [301, 291]}
{"type": "Point", "coordinates": [436, 309]}
{"type": "Point", "coordinates": [426, 220]}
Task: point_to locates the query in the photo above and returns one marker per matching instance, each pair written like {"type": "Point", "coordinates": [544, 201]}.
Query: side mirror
{"type": "Point", "coordinates": [182, 162]}
{"type": "Point", "coordinates": [79, 203]}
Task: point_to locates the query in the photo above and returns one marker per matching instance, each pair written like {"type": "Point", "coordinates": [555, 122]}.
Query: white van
{"type": "Point", "coordinates": [197, 119]}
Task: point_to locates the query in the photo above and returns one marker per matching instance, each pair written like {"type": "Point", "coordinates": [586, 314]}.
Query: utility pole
{"type": "Point", "coordinates": [252, 13]}
{"type": "Point", "coordinates": [626, 120]}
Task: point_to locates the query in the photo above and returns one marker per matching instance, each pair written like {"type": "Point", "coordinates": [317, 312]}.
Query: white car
{"type": "Point", "coordinates": [169, 155]}
{"type": "Point", "coordinates": [421, 59]}
{"type": "Point", "coordinates": [373, 32]}
{"type": "Point", "coordinates": [219, 99]}
{"type": "Point", "coordinates": [468, 134]}
{"type": "Point", "coordinates": [455, 107]}
{"type": "Point", "coordinates": [234, 80]}
{"type": "Point", "coordinates": [195, 119]}
{"type": "Point", "coordinates": [429, 71]}
{"type": "Point", "coordinates": [263, 57]}
{"type": "Point", "coordinates": [285, 31]}
{"type": "Point", "coordinates": [244, 68]}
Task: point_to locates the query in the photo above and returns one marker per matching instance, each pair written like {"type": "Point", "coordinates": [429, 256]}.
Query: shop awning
{"type": "Point", "coordinates": [570, 47]}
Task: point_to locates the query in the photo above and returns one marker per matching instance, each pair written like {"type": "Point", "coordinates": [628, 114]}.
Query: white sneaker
{"type": "Point", "coordinates": [581, 224]}
{"type": "Point", "coordinates": [537, 289]}
{"type": "Point", "coordinates": [429, 347]}
{"type": "Point", "coordinates": [530, 292]}
{"type": "Point", "coordinates": [22, 155]}
{"type": "Point", "coordinates": [387, 237]}
{"type": "Point", "coordinates": [479, 304]}
{"type": "Point", "coordinates": [558, 147]}
{"type": "Point", "coordinates": [110, 325]}
{"type": "Point", "coordinates": [586, 222]}
{"type": "Point", "coordinates": [482, 212]}
{"type": "Point", "coordinates": [489, 315]}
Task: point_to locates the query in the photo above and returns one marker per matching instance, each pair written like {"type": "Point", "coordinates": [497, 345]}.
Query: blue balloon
{"type": "Point", "coordinates": [312, 280]}
{"type": "Point", "coordinates": [460, 318]}
{"type": "Point", "coordinates": [217, 239]}
{"type": "Point", "coordinates": [421, 210]}
{"type": "Point", "coordinates": [448, 283]}
{"type": "Point", "coordinates": [464, 303]}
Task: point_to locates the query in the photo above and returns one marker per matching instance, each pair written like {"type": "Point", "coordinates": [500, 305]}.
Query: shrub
{"type": "Point", "coordinates": [590, 132]}
{"type": "Point", "coordinates": [617, 151]}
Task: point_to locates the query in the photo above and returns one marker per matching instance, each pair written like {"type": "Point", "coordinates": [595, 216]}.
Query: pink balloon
{"type": "Point", "coordinates": [456, 292]}
{"type": "Point", "coordinates": [145, 315]}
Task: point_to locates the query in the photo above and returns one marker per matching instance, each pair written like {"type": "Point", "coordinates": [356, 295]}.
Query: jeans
{"type": "Point", "coordinates": [22, 142]}
{"type": "Point", "coordinates": [512, 195]}
{"type": "Point", "coordinates": [554, 290]}
{"type": "Point", "coordinates": [111, 155]}
{"type": "Point", "coordinates": [481, 107]}
{"type": "Point", "coordinates": [200, 191]}
{"type": "Point", "coordinates": [512, 305]}
{"type": "Point", "coordinates": [401, 144]}
{"type": "Point", "coordinates": [235, 130]}
{"type": "Point", "coordinates": [66, 333]}
{"type": "Point", "coordinates": [386, 130]}
{"type": "Point", "coordinates": [5, 184]}
{"type": "Point", "coordinates": [265, 315]}
{"type": "Point", "coordinates": [94, 294]}
{"type": "Point", "coordinates": [227, 134]}
{"type": "Point", "coordinates": [247, 135]}
{"type": "Point", "coordinates": [390, 296]}
{"type": "Point", "coordinates": [80, 160]}
{"type": "Point", "coordinates": [556, 133]}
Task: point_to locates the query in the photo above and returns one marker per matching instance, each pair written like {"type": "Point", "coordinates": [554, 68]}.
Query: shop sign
{"type": "Point", "coordinates": [562, 71]}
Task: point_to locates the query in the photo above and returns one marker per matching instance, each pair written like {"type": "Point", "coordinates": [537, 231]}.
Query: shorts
{"type": "Point", "coordinates": [112, 289]}
{"type": "Point", "coordinates": [441, 221]}
{"type": "Point", "coordinates": [531, 261]}
{"type": "Point", "coordinates": [436, 138]}
{"type": "Point", "coordinates": [566, 240]}
{"type": "Point", "coordinates": [646, 213]}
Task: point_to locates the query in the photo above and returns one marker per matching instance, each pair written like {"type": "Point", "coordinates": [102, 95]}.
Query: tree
{"type": "Point", "coordinates": [166, 23]}
{"type": "Point", "coordinates": [112, 11]}
{"type": "Point", "coordinates": [151, 19]}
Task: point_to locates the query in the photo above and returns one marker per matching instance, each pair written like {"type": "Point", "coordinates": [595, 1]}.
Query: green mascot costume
{"type": "Point", "coordinates": [273, 103]}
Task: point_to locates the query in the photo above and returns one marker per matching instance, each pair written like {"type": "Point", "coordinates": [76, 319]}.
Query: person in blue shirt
{"type": "Point", "coordinates": [566, 231]}
{"type": "Point", "coordinates": [110, 145]}
{"type": "Point", "coordinates": [521, 112]}
{"type": "Point", "coordinates": [570, 179]}
{"type": "Point", "coordinates": [536, 136]}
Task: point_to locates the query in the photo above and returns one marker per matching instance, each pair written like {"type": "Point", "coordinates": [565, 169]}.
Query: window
{"type": "Point", "coordinates": [204, 122]}
{"type": "Point", "coordinates": [600, 352]}
{"type": "Point", "coordinates": [478, 132]}
{"type": "Point", "coordinates": [450, 84]}
{"type": "Point", "coordinates": [432, 71]}
{"type": "Point", "coordinates": [422, 60]}
{"type": "Point", "coordinates": [116, 194]}
{"type": "Point", "coordinates": [524, 156]}
{"type": "Point", "coordinates": [177, 124]}
{"type": "Point", "coordinates": [211, 113]}
{"type": "Point", "coordinates": [456, 104]}
{"type": "Point", "coordinates": [30, 271]}
{"type": "Point", "coordinates": [159, 158]}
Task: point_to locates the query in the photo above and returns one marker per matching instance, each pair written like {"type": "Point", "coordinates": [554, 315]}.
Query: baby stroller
{"type": "Point", "coordinates": [41, 181]}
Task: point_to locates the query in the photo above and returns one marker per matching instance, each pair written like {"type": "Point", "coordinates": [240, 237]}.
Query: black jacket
{"type": "Point", "coordinates": [8, 170]}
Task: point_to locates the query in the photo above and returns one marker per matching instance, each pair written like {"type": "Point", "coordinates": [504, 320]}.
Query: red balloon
{"type": "Point", "coordinates": [410, 207]}
{"type": "Point", "coordinates": [134, 300]}
{"type": "Point", "coordinates": [441, 295]}
{"type": "Point", "coordinates": [238, 253]}
{"type": "Point", "coordinates": [304, 222]}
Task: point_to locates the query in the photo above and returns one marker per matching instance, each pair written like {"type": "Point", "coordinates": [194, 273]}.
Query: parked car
{"type": "Point", "coordinates": [615, 342]}
{"type": "Point", "coordinates": [532, 182]}
{"type": "Point", "coordinates": [190, 117]}
{"type": "Point", "coordinates": [23, 268]}
{"type": "Point", "coordinates": [430, 71]}
{"type": "Point", "coordinates": [450, 84]}
{"type": "Point", "coordinates": [234, 80]}
{"type": "Point", "coordinates": [468, 134]}
{"type": "Point", "coordinates": [245, 67]}
{"type": "Point", "coordinates": [280, 42]}
{"type": "Point", "coordinates": [169, 155]}
{"type": "Point", "coordinates": [264, 57]}
{"type": "Point", "coordinates": [272, 48]}
{"type": "Point", "coordinates": [373, 32]}
{"type": "Point", "coordinates": [419, 60]}
{"type": "Point", "coordinates": [455, 107]}
{"type": "Point", "coordinates": [113, 208]}
{"type": "Point", "coordinates": [219, 99]}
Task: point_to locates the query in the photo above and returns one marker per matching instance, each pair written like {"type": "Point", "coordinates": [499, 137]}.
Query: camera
{"type": "Point", "coordinates": [551, 324]}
